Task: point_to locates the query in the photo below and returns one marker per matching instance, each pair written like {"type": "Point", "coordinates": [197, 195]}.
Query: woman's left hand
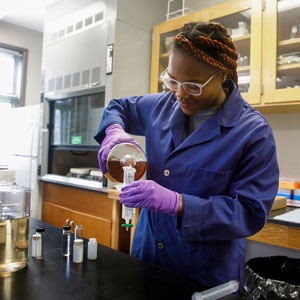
{"type": "Point", "coordinates": [150, 195]}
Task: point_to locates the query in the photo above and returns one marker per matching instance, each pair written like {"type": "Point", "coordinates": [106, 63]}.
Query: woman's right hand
{"type": "Point", "coordinates": [115, 135]}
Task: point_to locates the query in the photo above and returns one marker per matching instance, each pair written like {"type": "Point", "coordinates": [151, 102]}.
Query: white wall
{"type": "Point", "coordinates": [133, 45]}
{"type": "Point", "coordinates": [286, 129]}
{"type": "Point", "coordinates": [32, 40]}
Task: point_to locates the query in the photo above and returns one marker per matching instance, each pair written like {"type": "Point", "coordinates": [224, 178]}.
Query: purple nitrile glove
{"type": "Point", "coordinates": [150, 195]}
{"type": "Point", "coordinates": [115, 135]}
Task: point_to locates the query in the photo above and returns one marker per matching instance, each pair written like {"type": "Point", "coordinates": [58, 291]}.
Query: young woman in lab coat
{"type": "Point", "coordinates": [212, 169]}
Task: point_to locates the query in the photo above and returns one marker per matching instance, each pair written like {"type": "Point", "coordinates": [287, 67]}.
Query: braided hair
{"type": "Point", "coordinates": [211, 43]}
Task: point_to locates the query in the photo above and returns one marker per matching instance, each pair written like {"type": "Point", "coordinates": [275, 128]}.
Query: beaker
{"type": "Point", "coordinates": [123, 155]}
{"type": "Point", "coordinates": [14, 223]}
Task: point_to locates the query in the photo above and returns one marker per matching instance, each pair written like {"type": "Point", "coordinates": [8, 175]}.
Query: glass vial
{"type": "Point", "coordinates": [92, 249]}
{"type": "Point", "coordinates": [36, 246]}
{"type": "Point", "coordinates": [294, 32]}
{"type": "Point", "coordinates": [66, 240]}
{"type": "Point", "coordinates": [78, 251]}
{"type": "Point", "coordinates": [41, 232]}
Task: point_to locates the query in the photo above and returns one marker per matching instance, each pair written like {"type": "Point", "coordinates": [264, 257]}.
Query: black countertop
{"type": "Point", "coordinates": [114, 275]}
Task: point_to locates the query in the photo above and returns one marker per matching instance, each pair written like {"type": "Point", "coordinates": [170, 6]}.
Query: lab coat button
{"type": "Point", "coordinates": [166, 172]}
{"type": "Point", "coordinates": [160, 246]}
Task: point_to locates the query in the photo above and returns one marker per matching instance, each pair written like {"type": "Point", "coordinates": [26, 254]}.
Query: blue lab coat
{"type": "Point", "coordinates": [226, 171]}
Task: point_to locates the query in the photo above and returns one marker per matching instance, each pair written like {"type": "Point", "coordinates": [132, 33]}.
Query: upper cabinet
{"type": "Point", "coordinates": [281, 52]}
{"type": "Point", "coordinates": [267, 38]}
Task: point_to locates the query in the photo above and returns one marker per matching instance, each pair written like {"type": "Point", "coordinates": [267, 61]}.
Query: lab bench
{"type": "Point", "coordinates": [278, 232]}
{"type": "Point", "coordinates": [114, 275]}
{"type": "Point", "coordinates": [65, 198]}
{"type": "Point", "coordinates": [86, 203]}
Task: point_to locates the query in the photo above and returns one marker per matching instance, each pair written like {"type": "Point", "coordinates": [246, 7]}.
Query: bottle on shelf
{"type": "Point", "coordinates": [294, 32]}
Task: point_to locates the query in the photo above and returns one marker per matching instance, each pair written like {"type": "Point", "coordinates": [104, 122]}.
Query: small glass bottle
{"type": "Point", "coordinates": [92, 249]}
{"type": "Point", "coordinates": [41, 232]}
{"type": "Point", "coordinates": [36, 246]}
{"type": "Point", "coordinates": [78, 251]}
{"type": "Point", "coordinates": [66, 240]}
{"type": "Point", "coordinates": [294, 32]}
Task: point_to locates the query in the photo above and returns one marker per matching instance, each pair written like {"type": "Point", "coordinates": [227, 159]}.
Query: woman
{"type": "Point", "coordinates": [212, 170]}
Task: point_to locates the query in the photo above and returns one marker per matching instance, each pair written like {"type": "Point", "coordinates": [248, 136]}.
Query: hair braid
{"type": "Point", "coordinates": [211, 43]}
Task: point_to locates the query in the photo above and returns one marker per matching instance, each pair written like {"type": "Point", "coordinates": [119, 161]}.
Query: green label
{"type": "Point", "coordinates": [76, 140]}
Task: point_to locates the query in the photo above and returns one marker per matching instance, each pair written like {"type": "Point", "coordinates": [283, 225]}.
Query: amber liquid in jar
{"type": "Point", "coordinates": [14, 235]}
{"type": "Point", "coordinates": [115, 169]}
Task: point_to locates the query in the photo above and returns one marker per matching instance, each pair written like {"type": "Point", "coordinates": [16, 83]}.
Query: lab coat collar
{"type": "Point", "coordinates": [227, 115]}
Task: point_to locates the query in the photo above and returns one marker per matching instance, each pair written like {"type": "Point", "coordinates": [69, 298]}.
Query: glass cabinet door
{"type": "Point", "coordinates": [244, 26]}
{"type": "Point", "coordinates": [283, 77]}
{"type": "Point", "coordinates": [243, 19]}
{"type": "Point", "coordinates": [162, 37]}
{"type": "Point", "coordinates": [288, 44]}
{"type": "Point", "coordinates": [164, 49]}
{"type": "Point", "coordinates": [239, 27]}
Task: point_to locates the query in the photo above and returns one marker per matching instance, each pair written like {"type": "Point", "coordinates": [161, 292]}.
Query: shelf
{"type": "Point", "coordinates": [243, 68]}
{"type": "Point", "coordinates": [164, 58]}
{"type": "Point", "coordinates": [164, 55]}
{"type": "Point", "coordinates": [288, 46]}
{"type": "Point", "coordinates": [291, 70]}
{"type": "Point", "coordinates": [243, 44]}
{"type": "Point", "coordinates": [241, 38]}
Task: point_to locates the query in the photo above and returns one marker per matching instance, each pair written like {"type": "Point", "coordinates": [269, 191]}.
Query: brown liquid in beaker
{"type": "Point", "coordinates": [115, 169]}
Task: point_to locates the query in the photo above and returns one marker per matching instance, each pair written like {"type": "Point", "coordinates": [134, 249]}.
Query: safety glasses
{"type": "Point", "coordinates": [192, 88]}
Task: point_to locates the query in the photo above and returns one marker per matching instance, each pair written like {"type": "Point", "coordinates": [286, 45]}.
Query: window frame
{"type": "Point", "coordinates": [14, 100]}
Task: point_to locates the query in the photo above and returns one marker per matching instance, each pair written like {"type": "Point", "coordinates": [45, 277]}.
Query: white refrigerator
{"type": "Point", "coordinates": [24, 145]}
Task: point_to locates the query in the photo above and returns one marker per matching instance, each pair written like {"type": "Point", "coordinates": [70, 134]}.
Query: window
{"type": "Point", "coordinates": [12, 76]}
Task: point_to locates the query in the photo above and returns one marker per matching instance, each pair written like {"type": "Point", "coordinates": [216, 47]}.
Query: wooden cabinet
{"type": "Point", "coordinates": [99, 215]}
{"type": "Point", "coordinates": [269, 53]}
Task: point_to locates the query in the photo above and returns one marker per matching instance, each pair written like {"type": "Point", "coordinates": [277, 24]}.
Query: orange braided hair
{"type": "Point", "coordinates": [211, 43]}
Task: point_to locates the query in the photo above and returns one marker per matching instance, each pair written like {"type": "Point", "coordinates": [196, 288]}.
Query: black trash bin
{"type": "Point", "coordinates": [272, 278]}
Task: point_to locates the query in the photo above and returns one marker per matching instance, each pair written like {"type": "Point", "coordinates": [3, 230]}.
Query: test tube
{"type": "Point", "coordinates": [127, 212]}
{"type": "Point", "coordinates": [218, 291]}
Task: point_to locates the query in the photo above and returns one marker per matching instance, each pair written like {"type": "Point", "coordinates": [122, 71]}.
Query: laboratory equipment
{"type": "Point", "coordinates": [78, 251]}
{"type": "Point", "coordinates": [78, 232]}
{"type": "Point", "coordinates": [218, 291]}
{"type": "Point", "coordinates": [294, 32]}
{"type": "Point", "coordinates": [36, 246]}
{"type": "Point", "coordinates": [126, 163]}
{"type": "Point", "coordinates": [14, 223]}
{"type": "Point", "coordinates": [66, 240]}
{"type": "Point", "coordinates": [41, 232]}
{"type": "Point", "coordinates": [92, 249]}
{"type": "Point", "coordinates": [125, 154]}
{"type": "Point", "coordinates": [127, 212]}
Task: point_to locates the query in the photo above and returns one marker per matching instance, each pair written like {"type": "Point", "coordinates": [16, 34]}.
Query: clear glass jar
{"type": "Point", "coordinates": [14, 223]}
